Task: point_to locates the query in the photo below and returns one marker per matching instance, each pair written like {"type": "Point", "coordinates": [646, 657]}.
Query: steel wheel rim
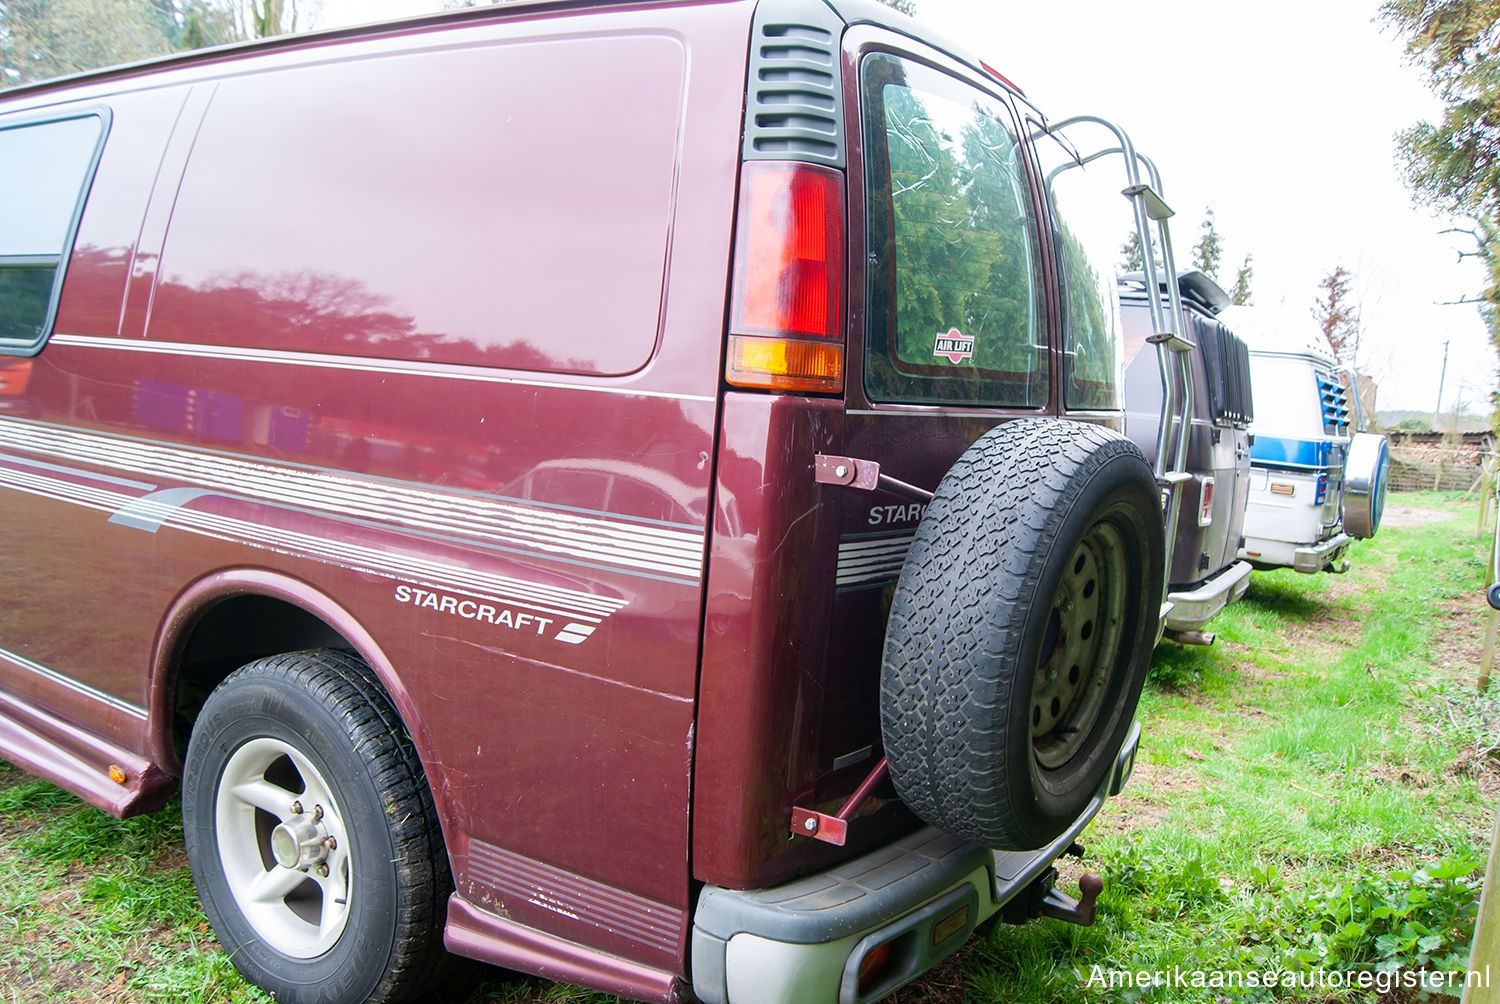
{"type": "Point", "coordinates": [1081, 646]}
{"type": "Point", "coordinates": [298, 912]}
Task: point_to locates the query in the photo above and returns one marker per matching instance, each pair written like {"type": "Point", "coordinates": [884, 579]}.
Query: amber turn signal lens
{"type": "Point", "coordinates": [785, 364]}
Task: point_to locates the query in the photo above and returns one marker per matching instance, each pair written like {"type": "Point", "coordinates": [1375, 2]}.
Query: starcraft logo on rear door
{"type": "Point", "coordinates": [954, 345]}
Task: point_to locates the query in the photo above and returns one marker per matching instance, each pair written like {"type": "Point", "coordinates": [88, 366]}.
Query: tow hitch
{"type": "Point", "coordinates": [1043, 899]}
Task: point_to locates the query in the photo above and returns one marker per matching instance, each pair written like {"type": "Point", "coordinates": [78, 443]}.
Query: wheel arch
{"type": "Point", "coordinates": [295, 613]}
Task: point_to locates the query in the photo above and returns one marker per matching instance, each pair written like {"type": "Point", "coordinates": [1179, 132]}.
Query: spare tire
{"type": "Point", "coordinates": [1020, 631]}
{"type": "Point", "coordinates": [1365, 474]}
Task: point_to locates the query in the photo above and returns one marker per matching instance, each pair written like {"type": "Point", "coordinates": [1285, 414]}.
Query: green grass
{"type": "Point", "coordinates": [1315, 792]}
{"type": "Point", "coordinates": [1300, 803]}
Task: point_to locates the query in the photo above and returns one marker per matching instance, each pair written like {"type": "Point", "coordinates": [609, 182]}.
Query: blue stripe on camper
{"type": "Point", "coordinates": [1274, 451]}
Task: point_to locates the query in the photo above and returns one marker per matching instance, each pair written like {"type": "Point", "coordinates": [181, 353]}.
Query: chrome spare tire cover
{"type": "Point", "coordinates": [1365, 474]}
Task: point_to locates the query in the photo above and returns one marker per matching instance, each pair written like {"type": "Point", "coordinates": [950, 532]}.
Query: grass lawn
{"type": "Point", "coordinates": [1314, 795]}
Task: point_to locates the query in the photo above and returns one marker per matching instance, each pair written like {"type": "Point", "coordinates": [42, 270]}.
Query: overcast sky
{"type": "Point", "coordinates": [1281, 115]}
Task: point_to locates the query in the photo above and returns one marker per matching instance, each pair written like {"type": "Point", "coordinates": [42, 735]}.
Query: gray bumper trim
{"type": "Point", "coordinates": [1191, 610]}
{"type": "Point", "coordinates": [1320, 556]}
{"type": "Point", "coordinates": [874, 891]}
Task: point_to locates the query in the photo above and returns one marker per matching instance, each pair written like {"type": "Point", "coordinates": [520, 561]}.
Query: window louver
{"type": "Point", "coordinates": [1334, 398]}
{"type": "Point", "coordinates": [794, 107]}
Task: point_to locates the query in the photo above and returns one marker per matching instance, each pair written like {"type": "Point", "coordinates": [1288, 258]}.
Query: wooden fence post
{"type": "Point", "coordinates": [1484, 954]}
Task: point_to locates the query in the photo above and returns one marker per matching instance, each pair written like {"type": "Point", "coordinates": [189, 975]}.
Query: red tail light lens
{"type": "Point", "coordinates": [1322, 489]}
{"type": "Point", "coordinates": [873, 968]}
{"type": "Point", "coordinates": [786, 303]}
{"type": "Point", "coordinates": [1206, 503]}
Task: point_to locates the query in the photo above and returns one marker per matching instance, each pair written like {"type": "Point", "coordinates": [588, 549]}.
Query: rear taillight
{"type": "Point", "coordinates": [1322, 489]}
{"type": "Point", "coordinates": [786, 303]}
{"type": "Point", "coordinates": [874, 968]}
{"type": "Point", "coordinates": [1206, 503]}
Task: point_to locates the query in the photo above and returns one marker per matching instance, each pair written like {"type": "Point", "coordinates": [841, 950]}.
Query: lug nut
{"type": "Point", "coordinates": [330, 843]}
{"type": "Point", "coordinates": [317, 813]}
{"type": "Point", "coordinates": [296, 808]}
{"type": "Point", "coordinates": [322, 871]}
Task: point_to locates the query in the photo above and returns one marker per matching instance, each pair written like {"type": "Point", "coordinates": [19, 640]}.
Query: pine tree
{"type": "Point", "coordinates": [1240, 294]}
{"type": "Point", "coordinates": [1209, 249]}
{"type": "Point", "coordinates": [1130, 254]}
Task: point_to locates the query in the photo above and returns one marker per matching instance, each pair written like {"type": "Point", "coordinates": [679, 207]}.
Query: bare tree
{"type": "Point", "coordinates": [1338, 315]}
{"type": "Point", "coordinates": [42, 38]}
{"type": "Point", "coordinates": [264, 18]}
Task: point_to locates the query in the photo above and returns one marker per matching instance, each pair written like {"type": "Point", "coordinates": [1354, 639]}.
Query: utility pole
{"type": "Point", "coordinates": [1437, 409]}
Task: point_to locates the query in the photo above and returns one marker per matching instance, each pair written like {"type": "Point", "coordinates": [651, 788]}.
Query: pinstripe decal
{"type": "Point", "coordinates": [119, 704]}
{"type": "Point", "coordinates": [655, 549]}
{"type": "Point", "coordinates": [872, 561]}
{"type": "Point", "coordinates": [578, 612]}
{"type": "Point", "coordinates": [363, 364]}
{"type": "Point", "coordinates": [606, 907]}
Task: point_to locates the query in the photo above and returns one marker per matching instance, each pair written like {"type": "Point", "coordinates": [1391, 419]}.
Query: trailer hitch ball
{"type": "Point", "coordinates": [1081, 911]}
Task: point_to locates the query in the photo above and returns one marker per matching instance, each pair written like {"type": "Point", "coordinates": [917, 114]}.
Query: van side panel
{"type": "Point", "coordinates": [418, 399]}
{"type": "Point", "coordinates": [69, 645]}
{"type": "Point", "coordinates": [421, 207]}
{"type": "Point", "coordinates": [93, 292]}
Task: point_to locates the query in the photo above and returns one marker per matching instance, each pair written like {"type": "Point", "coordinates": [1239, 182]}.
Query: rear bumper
{"type": "Point", "coordinates": [804, 941]}
{"type": "Point", "coordinates": [1191, 610]}
{"type": "Point", "coordinates": [1329, 554]}
{"type": "Point", "coordinates": [1307, 558]}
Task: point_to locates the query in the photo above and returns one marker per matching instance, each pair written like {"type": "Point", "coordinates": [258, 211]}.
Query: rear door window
{"type": "Point", "coordinates": [45, 168]}
{"type": "Point", "coordinates": [955, 315]}
{"type": "Point", "coordinates": [1088, 215]}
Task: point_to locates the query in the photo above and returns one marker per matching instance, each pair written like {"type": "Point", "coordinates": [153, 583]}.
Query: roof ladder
{"type": "Point", "coordinates": [1151, 214]}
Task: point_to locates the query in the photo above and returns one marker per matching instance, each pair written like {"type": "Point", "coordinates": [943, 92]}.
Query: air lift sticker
{"type": "Point", "coordinates": [473, 610]}
{"type": "Point", "coordinates": [953, 345]}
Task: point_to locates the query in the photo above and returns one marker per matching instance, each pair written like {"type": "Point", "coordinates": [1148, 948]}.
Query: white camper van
{"type": "Point", "coordinates": [1317, 480]}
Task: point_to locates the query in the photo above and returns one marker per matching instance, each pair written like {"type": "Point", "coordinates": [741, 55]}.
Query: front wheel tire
{"type": "Point", "coordinates": [311, 833]}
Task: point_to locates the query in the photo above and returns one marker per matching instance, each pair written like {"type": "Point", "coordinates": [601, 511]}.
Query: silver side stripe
{"type": "Point", "coordinates": [870, 560]}
{"type": "Point", "coordinates": [53, 676]}
{"type": "Point", "coordinates": [654, 549]}
{"type": "Point", "coordinates": [556, 601]}
{"type": "Point", "coordinates": [361, 364]}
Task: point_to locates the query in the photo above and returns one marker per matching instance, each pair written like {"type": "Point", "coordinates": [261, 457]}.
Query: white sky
{"type": "Point", "coordinates": [1281, 115]}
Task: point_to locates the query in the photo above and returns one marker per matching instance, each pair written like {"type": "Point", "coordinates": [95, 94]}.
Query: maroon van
{"type": "Point", "coordinates": [626, 492]}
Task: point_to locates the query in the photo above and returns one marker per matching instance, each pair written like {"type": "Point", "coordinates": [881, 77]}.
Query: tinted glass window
{"type": "Point", "coordinates": [1088, 215]}
{"type": "Point", "coordinates": [44, 168]}
{"type": "Point", "coordinates": [954, 311]}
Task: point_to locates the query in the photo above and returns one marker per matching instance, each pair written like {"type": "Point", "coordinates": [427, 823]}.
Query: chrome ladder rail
{"type": "Point", "coordinates": [1172, 347]}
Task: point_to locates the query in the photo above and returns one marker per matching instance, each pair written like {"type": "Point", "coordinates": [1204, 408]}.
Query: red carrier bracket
{"type": "Point", "coordinates": [835, 829]}
{"type": "Point", "coordinates": [862, 474]}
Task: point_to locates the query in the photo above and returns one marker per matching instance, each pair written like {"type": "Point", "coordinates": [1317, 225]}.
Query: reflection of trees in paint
{"type": "Point", "coordinates": [465, 431]}
{"type": "Point", "coordinates": [305, 311]}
